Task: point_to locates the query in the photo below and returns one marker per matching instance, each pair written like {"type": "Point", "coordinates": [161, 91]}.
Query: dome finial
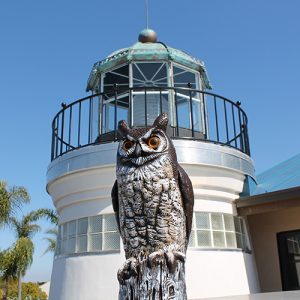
{"type": "Point", "coordinates": [148, 36]}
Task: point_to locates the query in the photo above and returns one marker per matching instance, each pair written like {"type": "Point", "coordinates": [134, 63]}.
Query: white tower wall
{"type": "Point", "coordinates": [80, 183]}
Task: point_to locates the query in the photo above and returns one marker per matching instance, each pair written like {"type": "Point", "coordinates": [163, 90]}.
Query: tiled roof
{"type": "Point", "coordinates": [282, 176]}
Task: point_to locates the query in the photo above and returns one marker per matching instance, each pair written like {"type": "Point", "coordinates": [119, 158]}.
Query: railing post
{"type": "Point", "coordinates": [234, 128]}
{"type": "Point", "coordinates": [216, 118]}
{"type": "Point", "coordinates": [53, 140]}
{"type": "Point", "coordinates": [90, 121]}
{"type": "Point", "coordinates": [176, 112]}
{"type": "Point", "coordinates": [57, 139]}
{"type": "Point", "coordinates": [226, 121]}
{"type": "Point", "coordinates": [238, 103]}
{"type": "Point", "coordinates": [62, 128]}
{"type": "Point", "coordinates": [116, 110]}
{"type": "Point", "coordinates": [79, 125]}
{"type": "Point", "coordinates": [204, 116]}
{"type": "Point", "coordinates": [246, 137]}
{"type": "Point", "coordinates": [70, 125]}
{"type": "Point", "coordinates": [146, 119]}
{"type": "Point", "coordinates": [191, 109]}
{"type": "Point", "coordinates": [160, 101]}
{"type": "Point", "coordinates": [130, 108]}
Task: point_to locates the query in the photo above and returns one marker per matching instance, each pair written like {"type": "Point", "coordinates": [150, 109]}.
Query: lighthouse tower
{"type": "Point", "coordinates": [209, 132]}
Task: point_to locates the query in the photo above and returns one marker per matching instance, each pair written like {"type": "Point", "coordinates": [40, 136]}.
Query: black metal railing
{"type": "Point", "coordinates": [193, 114]}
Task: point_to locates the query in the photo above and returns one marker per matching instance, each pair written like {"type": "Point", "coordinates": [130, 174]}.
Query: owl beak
{"type": "Point", "coordinates": [138, 149]}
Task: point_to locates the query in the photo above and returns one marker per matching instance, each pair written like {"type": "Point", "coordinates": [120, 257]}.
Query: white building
{"type": "Point", "coordinates": [211, 140]}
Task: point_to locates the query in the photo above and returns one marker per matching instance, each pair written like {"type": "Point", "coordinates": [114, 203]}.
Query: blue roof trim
{"type": "Point", "coordinates": [282, 176]}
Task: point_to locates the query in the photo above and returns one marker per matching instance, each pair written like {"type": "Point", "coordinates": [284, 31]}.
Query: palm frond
{"type": "Point", "coordinates": [52, 231]}
{"type": "Point", "coordinates": [47, 213]}
{"type": "Point", "coordinates": [52, 241]}
{"type": "Point", "coordinates": [11, 200]}
{"type": "Point", "coordinates": [51, 245]}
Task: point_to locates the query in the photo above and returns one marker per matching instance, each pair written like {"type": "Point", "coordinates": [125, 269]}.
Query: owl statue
{"type": "Point", "coordinates": [152, 198]}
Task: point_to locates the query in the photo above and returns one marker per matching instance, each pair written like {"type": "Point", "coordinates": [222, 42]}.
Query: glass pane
{"type": "Point", "coordinates": [219, 239]}
{"type": "Point", "coordinates": [237, 225]}
{"type": "Point", "coordinates": [110, 223]}
{"type": "Point", "coordinates": [82, 243]}
{"type": "Point", "coordinates": [182, 77]}
{"type": "Point", "coordinates": [242, 226]}
{"type": "Point", "coordinates": [197, 115]}
{"type": "Point", "coordinates": [161, 75]}
{"type": "Point", "coordinates": [231, 240]}
{"type": "Point", "coordinates": [246, 245]}
{"type": "Point", "coordinates": [204, 238]}
{"type": "Point", "coordinates": [202, 220]}
{"type": "Point", "coordinates": [95, 242]}
{"type": "Point", "coordinates": [58, 247]}
{"type": "Point", "coordinates": [154, 101]}
{"type": "Point", "coordinates": [192, 241]}
{"type": "Point", "coordinates": [111, 241]}
{"type": "Point", "coordinates": [217, 221]}
{"type": "Point", "coordinates": [229, 223]}
{"type": "Point", "coordinates": [64, 248]}
{"type": "Point", "coordinates": [60, 232]}
{"type": "Point", "coordinates": [82, 226]}
{"type": "Point", "coordinates": [138, 108]}
{"type": "Point", "coordinates": [118, 76]}
{"type": "Point", "coordinates": [65, 230]}
{"type": "Point", "coordinates": [183, 111]}
{"type": "Point", "coordinates": [149, 74]}
{"type": "Point", "coordinates": [71, 245]}
{"type": "Point", "coordinates": [239, 240]}
{"type": "Point", "coordinates": [72, 228]}
{"type": "Point", "coordinates": [95, 224]}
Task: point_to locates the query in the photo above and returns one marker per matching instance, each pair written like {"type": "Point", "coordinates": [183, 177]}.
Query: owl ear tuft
{"type": "Point", "coordinates": [123, 128]}
{"type": "Point", "coordinates": [161, 121]}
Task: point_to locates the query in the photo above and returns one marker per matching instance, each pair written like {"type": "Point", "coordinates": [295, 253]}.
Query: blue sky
{"type": "Point", "coordinates": [250, 48]}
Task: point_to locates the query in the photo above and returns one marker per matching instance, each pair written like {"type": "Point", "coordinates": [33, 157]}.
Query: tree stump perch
{"type": "Point", "coordinates": [156, 282]}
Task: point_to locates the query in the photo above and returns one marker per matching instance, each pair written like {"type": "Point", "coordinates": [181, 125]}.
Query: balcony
{"type": "Point", "coordinates": [193, 115]}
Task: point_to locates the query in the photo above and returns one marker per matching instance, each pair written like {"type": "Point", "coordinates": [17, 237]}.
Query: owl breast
{"type": "Point", "coordinates": [151, 212]}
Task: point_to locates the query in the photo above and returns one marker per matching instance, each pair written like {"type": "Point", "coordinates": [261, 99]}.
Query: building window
{"type": "Point", "coordinates": [289, 258]}
{"type": "Point", "coordinates": [217, 230]}
{"type": "Point", "coordinates": [90, 234]}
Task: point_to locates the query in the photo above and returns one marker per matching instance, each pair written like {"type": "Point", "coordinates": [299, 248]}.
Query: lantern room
{"type": "Point", "coordinates": [149, 78]}
{"type": "Point", "coordinates": [138, 83]}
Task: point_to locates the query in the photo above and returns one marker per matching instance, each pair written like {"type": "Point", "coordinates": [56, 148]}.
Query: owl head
{"type": "Point", "coordinates": [139, 146]}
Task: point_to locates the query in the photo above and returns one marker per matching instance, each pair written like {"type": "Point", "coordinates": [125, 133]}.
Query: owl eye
{"type": "Point", "coordinates": [127, 145]}
{"type": "Point", "coordinates": [153, 142]}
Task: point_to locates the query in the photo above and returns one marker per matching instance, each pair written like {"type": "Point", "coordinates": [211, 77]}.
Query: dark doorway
{"type": "Point", "coordinates": [289, 257]}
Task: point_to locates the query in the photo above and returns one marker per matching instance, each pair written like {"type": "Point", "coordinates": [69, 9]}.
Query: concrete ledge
{"type": "Point", "coordinates": [290, 295]}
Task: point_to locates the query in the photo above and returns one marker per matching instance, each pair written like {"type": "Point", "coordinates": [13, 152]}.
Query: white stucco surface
{"type": "Point", "coordinates": [80, 186]}
{"type": "Point", "coordinates": [290, 295]}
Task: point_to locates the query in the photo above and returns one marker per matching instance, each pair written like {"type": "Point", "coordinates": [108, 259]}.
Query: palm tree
{"type": "Point", "coordinates": [11, 200]}
{"type": "Point", "coordinates": [8, 269]}
{"type": "Point", "coordinates": [15, 261]}
{"type": "Point", "coordinates": [51, 239]}
{"type": "Point", "coordinates": [25, 229]}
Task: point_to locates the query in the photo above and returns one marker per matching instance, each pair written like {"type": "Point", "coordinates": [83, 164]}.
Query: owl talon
{"type": "Point", "coordinates": [172, 257]}
{"type": "Point", "coordinates": [154, 258]}
{"type": "Point", "coordinates": [128, 270]}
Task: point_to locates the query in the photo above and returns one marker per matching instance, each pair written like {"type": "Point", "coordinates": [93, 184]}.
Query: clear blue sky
{"type": "Point", "coordinates": [47, 48]}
